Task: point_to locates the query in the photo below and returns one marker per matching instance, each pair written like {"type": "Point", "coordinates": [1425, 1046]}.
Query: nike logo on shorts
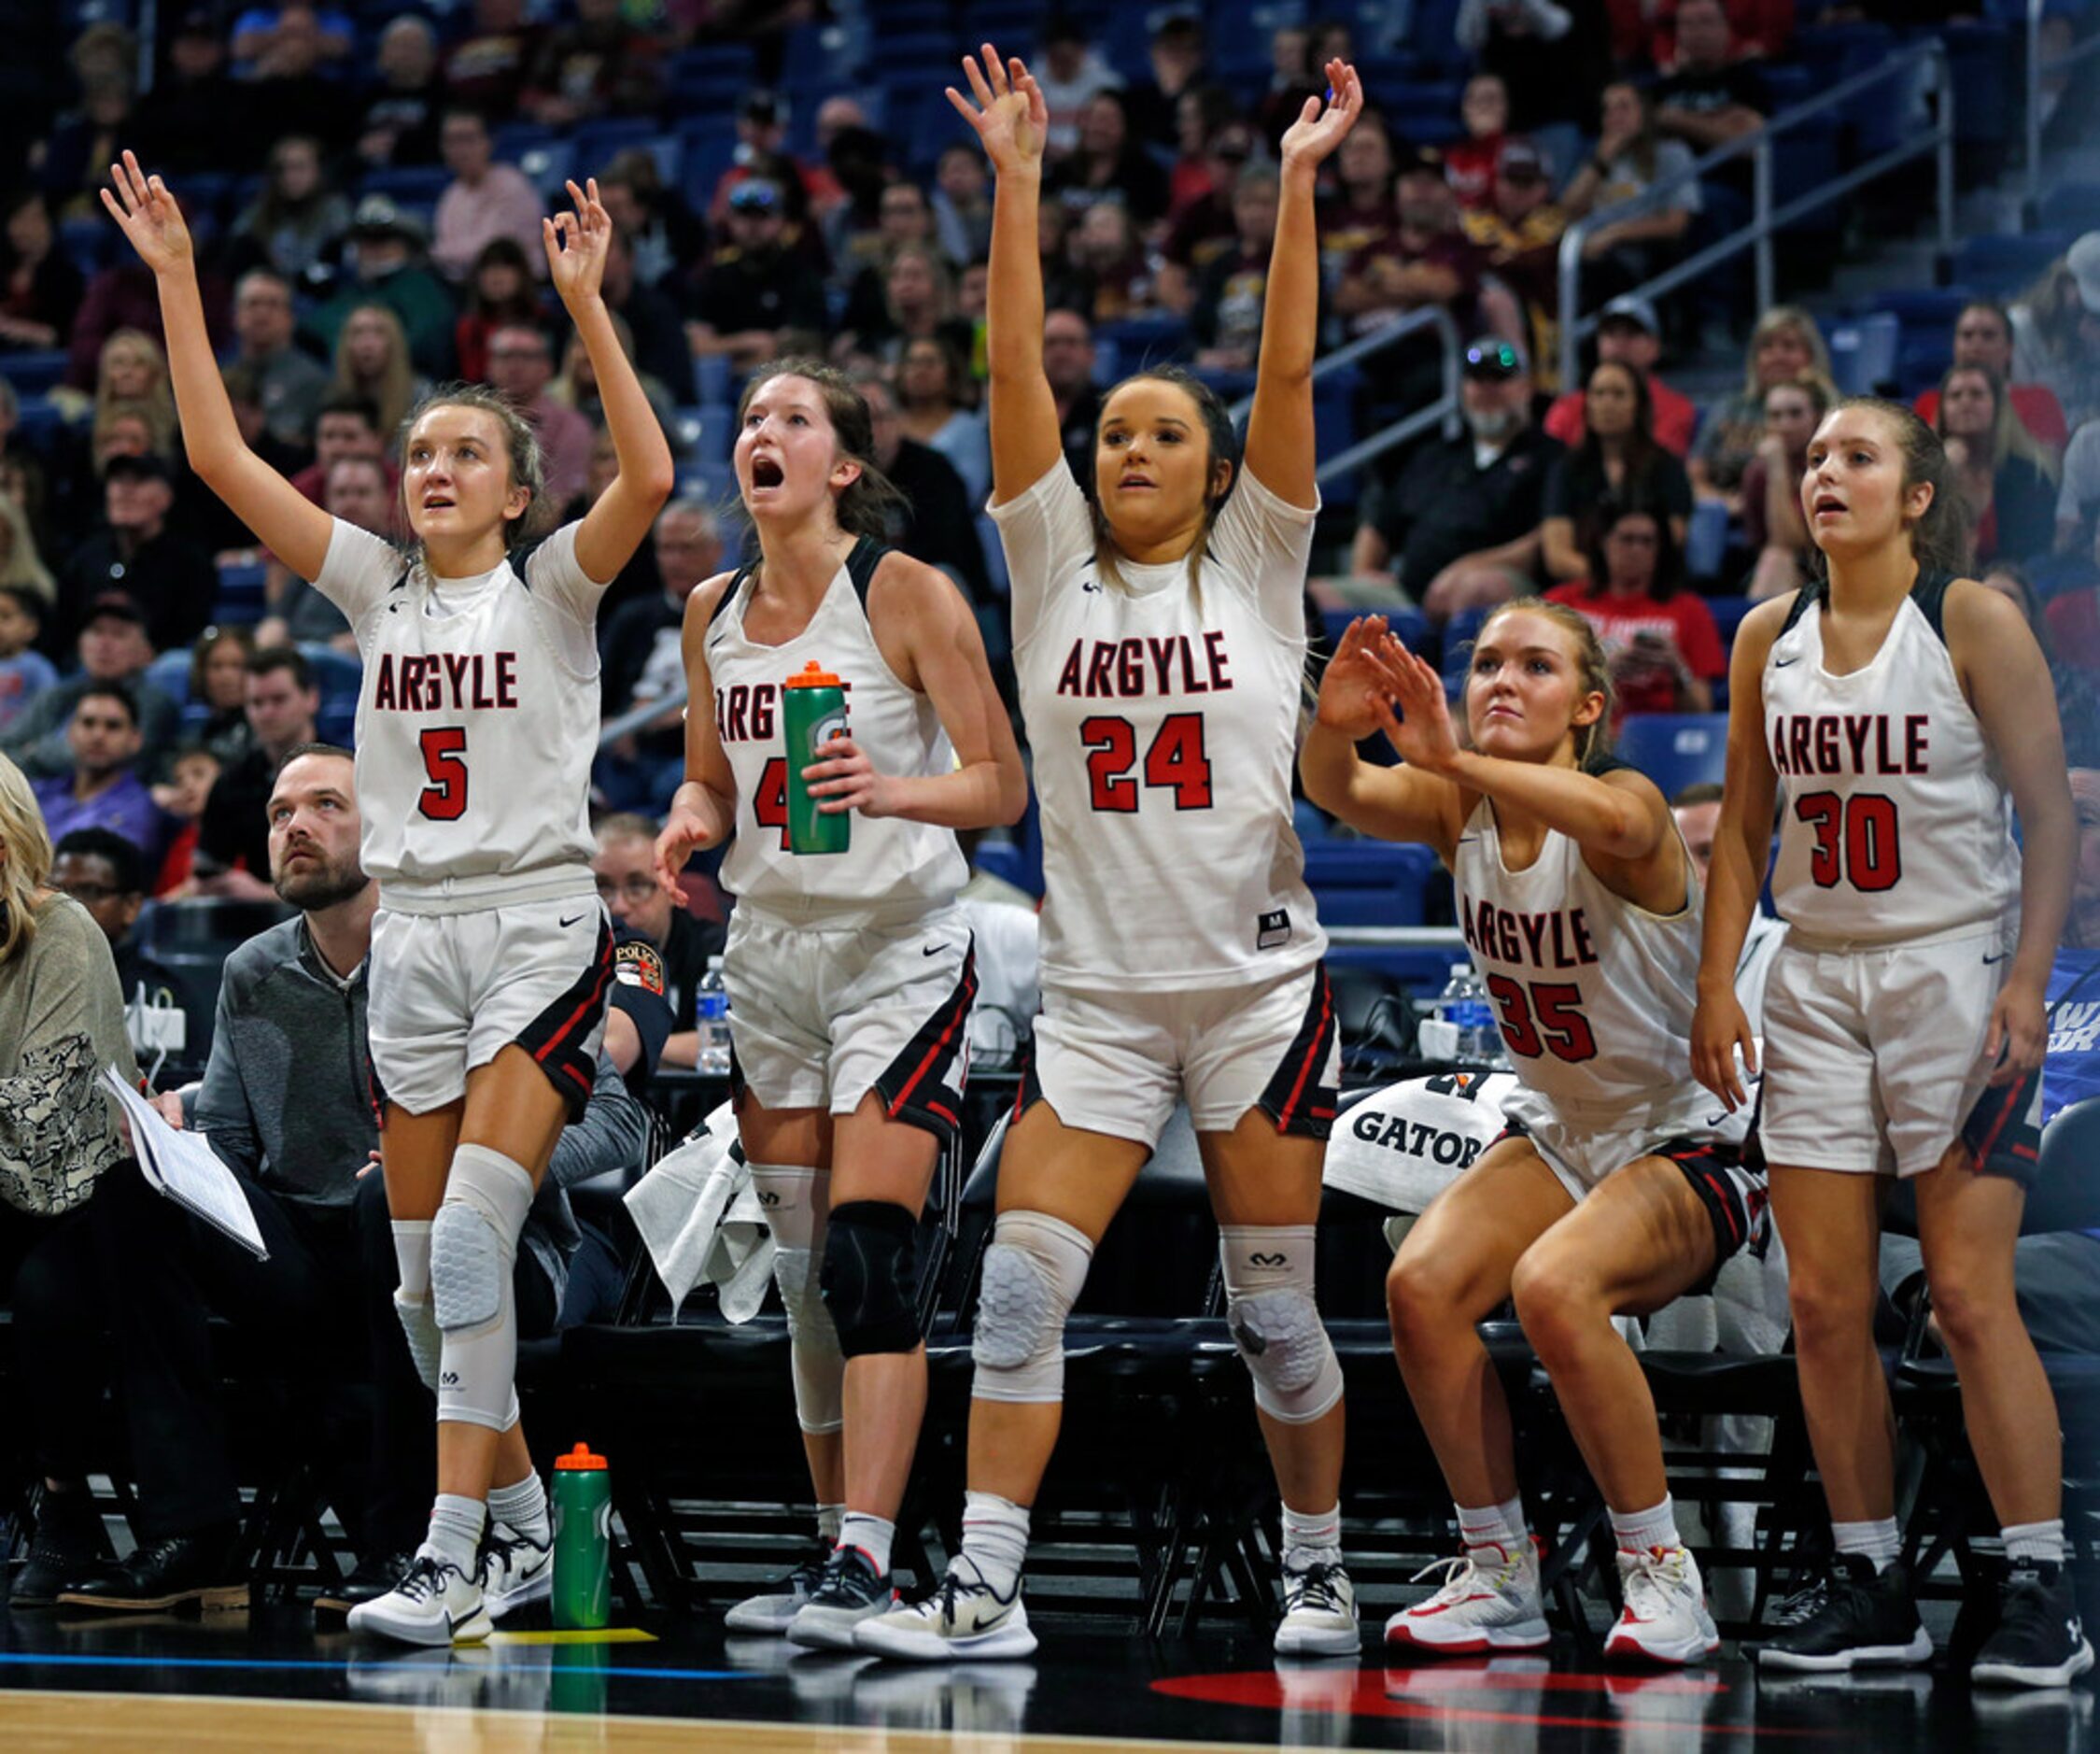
{"type": "Point", "coordinates": [572, 919]}
{"type": "Point", "coordinates": [1994, 961]}
{"type": "Point", "coordinates": [1781, 663]}
{"type": "Point", "coordinates": [929, 950]}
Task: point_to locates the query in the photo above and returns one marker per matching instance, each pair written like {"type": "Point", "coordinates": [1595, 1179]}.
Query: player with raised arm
{"type": "Point", "coordinates": [1160, 645]}
{"type": "Point", "coordinates": [477, 719]}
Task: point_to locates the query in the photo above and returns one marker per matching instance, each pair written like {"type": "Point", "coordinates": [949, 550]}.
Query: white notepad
{"type": "Point", "coordinates": [184, 1168]}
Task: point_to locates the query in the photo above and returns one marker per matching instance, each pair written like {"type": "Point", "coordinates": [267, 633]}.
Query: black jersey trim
{"type": "Point", "coordinates": [729, 596]}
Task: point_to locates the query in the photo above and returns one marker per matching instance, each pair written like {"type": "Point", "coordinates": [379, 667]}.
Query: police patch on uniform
{"type": "Point", "coordinates": [637, 964]}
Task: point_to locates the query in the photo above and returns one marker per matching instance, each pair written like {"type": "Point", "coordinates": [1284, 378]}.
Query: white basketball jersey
{"type": "Point", "coordinates": [1594, 994]}
{"type": "Point", "coordinates": [477, 721]}
{"type": "Point", "coordinates": [1895, 821]}
{"type": "Point", "coordinates": [891, 864]}
{"type": "Point", "coordinates": [1163, 717]}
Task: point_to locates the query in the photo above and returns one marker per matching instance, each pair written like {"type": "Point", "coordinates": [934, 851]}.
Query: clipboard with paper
{"type": "Point", "coordinates": [186, 1170]}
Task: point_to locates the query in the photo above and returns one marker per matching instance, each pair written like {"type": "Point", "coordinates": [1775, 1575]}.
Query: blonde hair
{"type": "Point", "coordinates": [1786, 316]}
{"type": "Point", "coordinates": [21, 564]}
{"type": "Point", "coordinates": [1593, 742]}
{"type": "Point", "coordinates": [159, 425]}
{"type": "Point", "coordinates": [2009, 436]}
{"type": "Point", "coordinates": [156, 404]}
{"type": "Point", "coordinates": [396, 388]}
{"type": "Point", "coordinates": [25, 859]}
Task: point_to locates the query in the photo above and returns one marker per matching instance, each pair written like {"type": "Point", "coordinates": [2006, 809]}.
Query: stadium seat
{"type": "Point", "coordinates": [1369, 883]}
{"type": "Point", "coordinates": [1863, 352]}
{"type": "Point", "coordinates": [2072, 207]}
{"type": "Point", "coordinates": [33, 373]}
{"type": "Point", "coordinates": [1674, 749]}
{"type": "Point", "coordinates": [2007, 263]}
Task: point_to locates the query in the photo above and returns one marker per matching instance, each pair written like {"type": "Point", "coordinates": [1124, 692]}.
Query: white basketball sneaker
{"type": "Point", "coordinates": [1665, 1620]}
{"type": "Point", "coordinates": [516, 1571]}
{"type": "Point", "coordinates": [1318, 1613]}
{"type": "Point", "coordinates": [435, 1603]}
{"type": "Point", "coordinates": [774, 1610]}
{"type": "Point", "coordinates": [1489, 1601]}
{"type": "Point", "coordinates": [964, 1618]}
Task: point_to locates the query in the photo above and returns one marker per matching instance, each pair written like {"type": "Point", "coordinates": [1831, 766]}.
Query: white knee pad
{"type": "Point", "coordinates": [1033, 1274]}
{"type": "Point", "coordinates": [412, 1301]}
{"type": "Point", "coordinates": [1274, 1321]}
{"type": "Point", "coordinates": [796, 1200]}
{"type": "Point", "coordinates": [425, 1343]}
{"type": "Point", "coordinates": [473, 1246]}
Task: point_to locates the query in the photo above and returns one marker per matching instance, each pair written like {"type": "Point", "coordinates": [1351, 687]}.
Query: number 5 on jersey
{"type": "Point", "coordinates": [445, 760]}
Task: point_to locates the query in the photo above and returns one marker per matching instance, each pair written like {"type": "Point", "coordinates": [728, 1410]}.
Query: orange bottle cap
{"type": "Point", "coordinates": [580, 1457]}
{"type": "Point", "coordinates": [813, 676]}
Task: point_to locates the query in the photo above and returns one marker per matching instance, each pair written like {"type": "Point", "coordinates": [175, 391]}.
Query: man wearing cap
{"type": "Point", "coordinates": [1628, 333]}
{"type": "Point", "coordinates": [169, 577]}
{"type": "Point", "coordinates": [1520, 230]}
{"type": "Point", "coordinates": [385, 250]}
{"type": "Point", "coordinates": [756, 291]}
{"type": "Point", "coordinates": [103, 790]}
{"type": "Point", "coordinates": [761, 151]}
{"type": "Point", "coordinates": [484, 201]}
{"type": "Point", "coordinates": [113, 647]}
{"type": "Point", "coordinates": [1460, 528]}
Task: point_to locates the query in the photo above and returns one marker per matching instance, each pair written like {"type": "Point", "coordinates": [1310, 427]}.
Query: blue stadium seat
{"type": "Point", "coordinates": [170, 674]}
{"type": "Point", "coordinates": [2073, 207]}
{"type": "Point", "coordinates": [597, 144]}
{"type": "Point", "coordinates": [1410, 624]}
{"type": "Point", "coordinates": [1727, 613]}
{"type": "Point", "coordinates": [1980, 63]}
{"type": "Point", "coordinates": [1674, 749]}
{"type": "Point", "coordinates": [1863, 352]}
{"type": "Point", "coordinates": [33, 373]}
{"type": "Point", "coordinates": [1369, 883]}
{"type": "Point", "coordinates": [708, 148]}
{"type": "Point", "coordinates": [1459, 635]}
{"type": "Point", "coordinates": [240, 593]}
{"type": "Point", "coordinates": [408, 185]}
{"type": "Point", "coordinates": [2007, 262]}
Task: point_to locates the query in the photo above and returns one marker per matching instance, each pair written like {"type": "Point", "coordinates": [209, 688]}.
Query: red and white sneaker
{"type": "Point", "coordinates": [1665, 1618]}
{"type": "Point", "coordinates": [1489, 1601]}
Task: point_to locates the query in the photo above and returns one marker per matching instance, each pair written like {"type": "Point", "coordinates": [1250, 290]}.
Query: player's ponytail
{"type": "Point", "coordinates": [1593, 671]}
{"type": "Point", "coordinates": [1943, 536]}
{"type": "Point", "coordinates": [871, 502]}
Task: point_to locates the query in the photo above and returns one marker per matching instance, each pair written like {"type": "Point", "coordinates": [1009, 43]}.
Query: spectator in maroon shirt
{"type": "Point", "coordinates": [1423, 260]}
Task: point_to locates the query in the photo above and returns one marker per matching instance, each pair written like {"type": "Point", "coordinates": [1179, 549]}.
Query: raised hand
{"type": "Point", "coordinates": [1422, 729]}
{"type": "Point", "coordinates": [1359, 679]}
{"type": "Point", "coordinates": [1321, 126]}
{"type": "Point", "coordinates": [143, 207]}
{"type": "Point", "coordinates": [1009, 115]}
{"type": "Point", "coordinates": [576, 244]}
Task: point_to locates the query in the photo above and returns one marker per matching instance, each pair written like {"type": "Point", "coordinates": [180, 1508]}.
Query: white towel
{"type": "Point", "coordinates": [700, 1218]}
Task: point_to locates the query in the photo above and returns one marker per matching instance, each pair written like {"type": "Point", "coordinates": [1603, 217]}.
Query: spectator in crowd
{"type": "Point", "coordinates": [660, 229]}
{"type": "Point", "coordinates": [1289, 81]}
{"type": "Point", "coordinates": [399, 122]}
{"type": "Point", "coordinates": [936, 523]}
{"type": "Point", "coordinates": [1068, 362]}
{"type": "Point", "coordinates": [1519, 230]}
{"type": "Point", "coordinates": [1460, 527]}
{"type": "Point", "coordinates": [1225, 321]}
{"type": "Point", "coordinates": [487, 68]}
{"type": "Point", "coordinates": [39, 286]}
{"type": "Point", "coordinates": [655, 330]}
{"type": "Point", "coordinates": [598, 65]}
{"type": "Point", "coordinates": [61, 1021]}
{"type": "Point", "coordinates": [1072, 73]}
{"type": "Point", "coordinates": [1547, 52]}
{"type": "Point", "coordinates": [1201, 114]}
{"type": "Point", "coordinates": [1616, 467]}
{"type": "Point", "coordinates": [257, 30]}
{"type": "Point", "coordinates": [122, 298]}
{"type": "Point", "coordinates": [219, 684]}
{"type": "Point", "coordinates": [1784, 345]}
{"type": "Point", "coordinates": [498, 293]}
{"type": "Point", "coordinates": [2078, 501]}
{"type": "Point", "coordinates": [112, 648]}
{"type": "Point", "coordinates": [104, 789]}
{"type": "Point", "coordinates": [1645, 31]}
{"type": "Point", "coordinates": [2077, 685]}
{"type": "Point", "coordinates": [296, 222]}
{"type": "Point", "coordinates": [289, 383]}
{"type": "Point", "coordinates": [575, 388]}
{"type": "Point", "coordinates": [1110, 268]}
{"type": "Point", "coordinates": [1773, 523]}
{"type": "Point", "coordinates": [961, 205]}
{"type": "Point", "coordinates": [371, 361]}
{"type": "Point", "coordinates": [22, 566]}
{"type": "Point", "coordinates": [1202, 228]}
{"type": "Point", "coordinates": [1364, 205]}
{"type": "Point", "coordinates": [1471, 163]}
{"type": "Point", "coordinates": [643, 660]}
{"type": "Point", "coordinates": [1423, 260]}
{"type": "Point", "coordinates": [291, 90]}
{"type": "Point", "coordinates": [107, 875]}
{"type": "Point", "coordinates": [521, 366]}
{"type": "Point", "coordinates": [756, 301]}
{"type": "Point", "coordinates": [1659, 639]}
{"type": "Point", "coordinates": [131, 372]}
{"type": "Point", "coordinates": [243, 391]}
{"type": "Point", "coordinates": [918, 301]}
{"type": "Point", "coordinates": [851, 227]}
{"type": "Point", "coordinates": [1633, 163]}
{"type": "Point", "coordinates": [24, 671]}
{"type": "Point", "coordinates": [346, 426]}
{"type": "Point", "coordinates": [2006, 478]}
{"type": "Point", "coordinates": [2056, 332]}
{"type": "Point", "coordinates": [485, 198]}
{"type": "Point", "coordinates": [281, 702]}
{"type": "Point", "coordinates": [932, 398]}
{"type": "Point", "coordinates": [761, 139]}
{"type": "Point", "coordinates": [301, 1142]}
{"type": "Point", "coordinates": [188, 121]}
{"type": "Point", "coordinates": [1712, 94]}
{"type": "Point", "coordinates": [1984, 336]}
{"type": "Point", "coordinates": [1180, 65]}
{"type": "Point", "coordinates": [1629, 331]}
{"type": "Point", "coordinates": [182, 797]}
{"type": "Point", "coordinates": [626, 869]}
{"type": "Point", "coordinates": [1108, 163]}
{"type": "Point", "coordinates": [167, 575]}
{"type": "Point", "coordinates": [70, 161]}
{"type": "Point", "coordinates": [356, 491]}
{"type": "Point", "coordinates": [386, 258]}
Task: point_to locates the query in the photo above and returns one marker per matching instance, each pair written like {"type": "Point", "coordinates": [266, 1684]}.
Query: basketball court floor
{"type": "Point", "coordinates": [271, 1679]}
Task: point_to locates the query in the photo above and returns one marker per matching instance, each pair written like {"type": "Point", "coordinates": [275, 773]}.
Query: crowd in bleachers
{"type": "Point", "coordinates": [368, 187]}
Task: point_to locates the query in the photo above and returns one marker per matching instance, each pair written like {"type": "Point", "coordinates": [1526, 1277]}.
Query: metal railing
{"type": "Point", "coordinates": [1766, 218]}
{"type": "Point", "coordinates": [1443, 412]}
{"type": "Point", "coordinates": [2038, 70]}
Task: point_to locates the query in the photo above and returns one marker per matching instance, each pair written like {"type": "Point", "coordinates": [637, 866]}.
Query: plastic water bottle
{"type": "Point", "coordinates": [583, 1542]}
{"type": "Point", "coordinates": [1463, 1027]}
{"type": "Point", "coordinates": [710, 1008]}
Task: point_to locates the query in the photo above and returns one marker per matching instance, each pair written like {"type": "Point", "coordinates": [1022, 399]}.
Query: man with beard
{"type": "Point", "coordinates": [287, 1101]}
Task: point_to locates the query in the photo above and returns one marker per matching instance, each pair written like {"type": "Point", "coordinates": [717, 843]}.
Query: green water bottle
{"type": "Point", "coordinates": [812, 713]}
{"type": "Point", "coordinates": [582, 1541]}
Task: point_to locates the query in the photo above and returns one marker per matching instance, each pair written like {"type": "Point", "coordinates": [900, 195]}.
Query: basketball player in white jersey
{"type": "Point", "coordinates": [1611, 1192]}
{"type": "Point", "coordinates": [850, 974]}
{"type": "Point", "coordinates": [1158, 643]}
{"type": "Point", "coordinates": [477, 718]}
{"type": "Point", "coordinates": [1896, 712]}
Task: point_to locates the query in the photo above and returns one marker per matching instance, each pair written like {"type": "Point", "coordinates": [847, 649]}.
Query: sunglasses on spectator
{"type": "Point", "coordinates": [1501, 362]}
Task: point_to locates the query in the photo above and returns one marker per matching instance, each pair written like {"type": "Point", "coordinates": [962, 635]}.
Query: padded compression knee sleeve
{"type": "Point", "coordinates": [1033, 1274]}
{"type": "Point", "coordinates": [473, 1246]}
{"type": "Point", "coordinates": [412, 1301]}
{"type": "Point", "coordinates": [1276, 1324]}
{"type": "Point", "coordinates": [871, 1277]}
{"type": "Point", "coordinates": [795, 1200]}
